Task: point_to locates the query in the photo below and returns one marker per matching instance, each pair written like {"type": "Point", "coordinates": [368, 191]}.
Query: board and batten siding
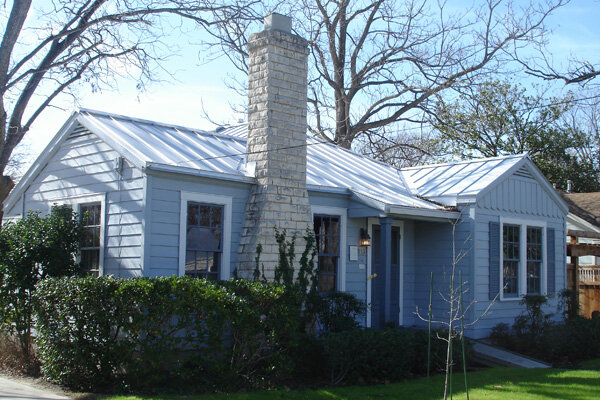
{"type": "Point", "coordinates": [84, 165]}
{"type": "Point", "coordinates": [517, 197]}
{"type": "Point", "coordinates": [162, 217]}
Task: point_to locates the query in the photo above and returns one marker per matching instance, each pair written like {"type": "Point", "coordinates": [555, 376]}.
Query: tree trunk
{"type": "Point", "coordinates": [6, 185]}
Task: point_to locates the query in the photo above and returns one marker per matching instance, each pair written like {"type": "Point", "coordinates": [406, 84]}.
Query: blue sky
{"type": "Point", "coordinates": [196, 83]}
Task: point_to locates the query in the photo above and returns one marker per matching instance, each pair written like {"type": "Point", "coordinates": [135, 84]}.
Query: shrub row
{"type": "Point", "coordinates": [563, 344]}
{"type": "Point", "coordinates": [106, 334]}
{"type": "Point", "coordinates": [534, 333]}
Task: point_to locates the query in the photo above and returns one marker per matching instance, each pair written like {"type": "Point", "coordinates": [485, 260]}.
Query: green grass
{"type": "Point", "coordinates": [489, 384]}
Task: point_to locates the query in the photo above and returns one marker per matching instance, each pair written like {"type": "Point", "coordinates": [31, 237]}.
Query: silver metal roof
{"type": "Point", "coordinates": [222, 154]}
{"type": "Point", "coordinates": [447, 183]}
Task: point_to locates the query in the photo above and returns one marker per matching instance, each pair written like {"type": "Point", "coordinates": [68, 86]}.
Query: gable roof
{"type": "Point", "coordinates": [584, 205]}
{"type": "Point", "coordinates": [430, 190]}
{"type": "Point", "coordinates": [465, 181]}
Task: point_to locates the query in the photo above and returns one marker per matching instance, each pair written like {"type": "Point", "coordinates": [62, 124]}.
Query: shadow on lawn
{"type": "Point", "coordinates": [491, 384]}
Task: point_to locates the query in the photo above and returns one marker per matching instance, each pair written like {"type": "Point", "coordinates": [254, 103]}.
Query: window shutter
{"type": "Point", "coordinates": [550, 263]}
{"type": "Point", "coordinates": [494, 259]}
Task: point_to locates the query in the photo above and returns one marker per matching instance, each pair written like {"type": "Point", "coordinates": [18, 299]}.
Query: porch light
{"type": "Point", "coordinates": [365, 239]}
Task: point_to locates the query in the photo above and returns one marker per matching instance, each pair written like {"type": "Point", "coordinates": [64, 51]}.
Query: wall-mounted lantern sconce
{"type": "Point", "coordinates": [365, 239]}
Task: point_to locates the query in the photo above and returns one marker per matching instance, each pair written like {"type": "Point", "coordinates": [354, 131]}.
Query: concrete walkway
{"type": "Point", "coordinates": [10, 389]}
{"type": "Point", "coordinates": [494, 356]}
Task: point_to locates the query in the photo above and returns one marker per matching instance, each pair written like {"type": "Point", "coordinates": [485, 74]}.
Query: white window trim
{"type": "Point", "coordinates": [226, 202]}
{"type": "Point", "coordinates": [522, 277]}
{"type": "Point", "coordinates": [88, 199]}
{"type": "Point", "coordinates": [342, 213]}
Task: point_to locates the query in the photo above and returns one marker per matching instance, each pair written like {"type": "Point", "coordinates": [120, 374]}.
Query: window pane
{"type": "Point", "coordinates": [216, 217]}
{"type": "Point", "coordinates": [190, 261]}
{"type": "Point", "coordinates": [192, 216]}
{"type": "Point", "coordinates": [203, 238]}
{"type": "Point", "coordinates": [326, 283]}
{"type": "Point", "coordinates": [204, 216]}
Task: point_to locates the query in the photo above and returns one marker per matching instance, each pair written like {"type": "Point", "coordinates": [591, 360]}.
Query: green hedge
{"type": "Point", "coordinates": [175, 333]}
{"type": "Point", "coordinates": [106, 333]}
{"type": "Point", "coordinates": [563, 344]}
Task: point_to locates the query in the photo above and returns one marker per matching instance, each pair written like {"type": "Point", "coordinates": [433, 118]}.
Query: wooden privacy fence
{"type": "Point", "coordinates": [584, 278]}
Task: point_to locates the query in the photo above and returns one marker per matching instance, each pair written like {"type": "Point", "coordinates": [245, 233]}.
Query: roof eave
{"type": "Point", "coordinates": [578, 220]}
{"type": "Point", "coordinates": [328, 189]}
{"type": "Point", "coordinates": [198, 172]}
{"type": "Point", "coordinates": [430, 214]}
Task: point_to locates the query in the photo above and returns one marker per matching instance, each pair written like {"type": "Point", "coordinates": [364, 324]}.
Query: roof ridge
{"type": "Point", "coordinates": [471, 161]}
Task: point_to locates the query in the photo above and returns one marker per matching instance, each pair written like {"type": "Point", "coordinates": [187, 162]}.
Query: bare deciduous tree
{"type": "Point", "coordinates": [378, 63]}
{"type": "Point", "coordinates": [84, 41]}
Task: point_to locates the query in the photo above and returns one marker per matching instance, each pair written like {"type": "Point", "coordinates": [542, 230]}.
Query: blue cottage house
{"type": "Point", "coordinates": [168, 200]}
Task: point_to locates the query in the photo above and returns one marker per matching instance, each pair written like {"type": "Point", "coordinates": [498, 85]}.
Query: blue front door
{"type": "Point", "coordinates": [378, 279]}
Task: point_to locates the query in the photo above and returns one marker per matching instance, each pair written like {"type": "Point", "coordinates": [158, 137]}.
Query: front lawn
{"type": "Point", "coordinates": [489, 384]}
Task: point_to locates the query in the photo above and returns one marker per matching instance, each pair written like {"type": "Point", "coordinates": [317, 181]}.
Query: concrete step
{"type": "Point", "coordinates": [494, 356]}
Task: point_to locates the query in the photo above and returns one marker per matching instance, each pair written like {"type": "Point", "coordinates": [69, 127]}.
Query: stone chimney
{"type": "Point", "coordinates": [277, 91]}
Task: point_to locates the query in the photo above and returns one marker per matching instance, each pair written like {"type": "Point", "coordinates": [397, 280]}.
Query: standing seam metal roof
{"type": "Point", "coordinates": [328, 165]}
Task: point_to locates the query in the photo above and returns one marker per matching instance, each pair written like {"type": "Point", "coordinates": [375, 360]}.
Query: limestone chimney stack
{"type": "Point", "coordinates": [277, 91]}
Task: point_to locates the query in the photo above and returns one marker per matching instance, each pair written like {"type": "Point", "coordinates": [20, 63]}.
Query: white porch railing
{"type": "Point", "coordinates": [589, 274]}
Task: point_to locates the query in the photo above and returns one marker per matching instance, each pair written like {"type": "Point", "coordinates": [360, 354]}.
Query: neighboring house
{"type": "Point", "coordinates": [160, 200]}
{"type": "Point", "coordinates": [584, 215]}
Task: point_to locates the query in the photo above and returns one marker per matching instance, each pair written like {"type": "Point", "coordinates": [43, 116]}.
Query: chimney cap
{"type": "Point", "coordinates": [278, 22]}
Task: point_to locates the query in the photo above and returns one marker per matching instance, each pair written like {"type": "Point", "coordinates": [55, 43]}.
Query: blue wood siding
{"type": "Point", "coordinates": [356, 271]}
{"type": "Point", "coordinates": [516, 197]}
{"type": "Point", "coordinates": [82, 166]}
{"type": "Point", "coordinates": [410, 272]}
{"type": "Point", "coordinates": [328, 199]}
{"type": "Point", "coordinates": [433, 252]}
{"type": "Point", "coordinates": [164, 202]}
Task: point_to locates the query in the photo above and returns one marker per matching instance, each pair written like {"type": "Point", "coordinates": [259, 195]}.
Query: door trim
{"type": "Point", "coordinates": [400, 225]}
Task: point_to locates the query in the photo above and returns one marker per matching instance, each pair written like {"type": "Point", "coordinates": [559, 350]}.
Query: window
{"type": "Point", "coordinates": [205, 236]}
{"type": "Point", "coordinates": [204, 240]}
{"type": "Point", "coordinates": [523, 262]}
{"type": "Point", "coordinates": [327, 235]}
{"type": "Point", "coordinates": [91, 222]}
{"type": "Point", "coordinates": [534, 260]}
{"type": "Point", "coordinates": [510, 253]}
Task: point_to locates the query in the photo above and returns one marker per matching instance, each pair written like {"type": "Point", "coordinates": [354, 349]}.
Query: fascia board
{"type": "Point", "coordinates": [423, 213]}
{"type": "Point", "coordinates": [197, 172]}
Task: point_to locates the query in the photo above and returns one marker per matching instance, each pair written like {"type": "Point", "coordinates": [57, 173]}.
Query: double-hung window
{"type": "Point", "coordinates": [327, 235]}
{"type": "Point", "coordinates": [523, 267]}
{"type": "Point", "coordinates": [90, 217]}
{"type": "Point", "coordinates": [204, 240]}
{"type": "Point", "coordinates": [205, 230]}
